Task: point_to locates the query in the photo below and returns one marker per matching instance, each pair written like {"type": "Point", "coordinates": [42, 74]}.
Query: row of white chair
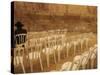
{"type": "Point", "coordinates": [81, 60]}
{"type": "Point", "coordinates": [34, 55]}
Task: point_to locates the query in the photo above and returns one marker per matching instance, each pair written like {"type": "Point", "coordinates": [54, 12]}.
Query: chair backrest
{"type": "Point", "coordinates": [85, 58]}
{"type": "Point", "coordinates": [20, 38]}
{"type": "Point", "coordinates": [93, 51]}
{"type": "Point", "coordinates": [16, 61]}
{"type": "Point", "coordinates": [31, 42]}
{"type": "Point", "coordinates": [77, 59]}
{"type": "Point", "coordinates": [36, 55]}
{"type": "Point", "coordinates": [59, 47]}
{"type": "Point", "coordinates": [93, 55]}
{"type": "Point", "coordinates": [19, 50]}
{"type": "Point", "coordinates": [76, 62]}
{"type": "Point", "coordinates": [66, 66]}
{"type": "Point", "coordinates": [47, 51]}
{"type": "Point", "coordinates": [75, 67]}
{"type": "Point", "coordinates": [19, 54]}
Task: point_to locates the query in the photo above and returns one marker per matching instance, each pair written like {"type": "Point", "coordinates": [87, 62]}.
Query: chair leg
{"type": "Point", "coordinates": [47, 60]}
{"type": "Point", "coordinates": [55, 58]}
{"type": "Point", "coordinates": [41, 65]}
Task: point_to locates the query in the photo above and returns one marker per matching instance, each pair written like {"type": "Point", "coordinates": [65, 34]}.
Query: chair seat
{"type": "Point", "coordinates": [85, 57]}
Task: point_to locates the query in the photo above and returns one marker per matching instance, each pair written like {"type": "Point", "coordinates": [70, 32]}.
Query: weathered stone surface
{"type": "Point", "coordinates": [38, 17]}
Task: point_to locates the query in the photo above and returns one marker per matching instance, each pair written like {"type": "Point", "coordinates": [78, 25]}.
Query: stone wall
{"type": "Point", "coordinates": [38, 17]}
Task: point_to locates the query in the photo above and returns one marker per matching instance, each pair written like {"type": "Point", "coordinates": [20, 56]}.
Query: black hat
{"type": "Point", "coordinates": [19, 24]}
